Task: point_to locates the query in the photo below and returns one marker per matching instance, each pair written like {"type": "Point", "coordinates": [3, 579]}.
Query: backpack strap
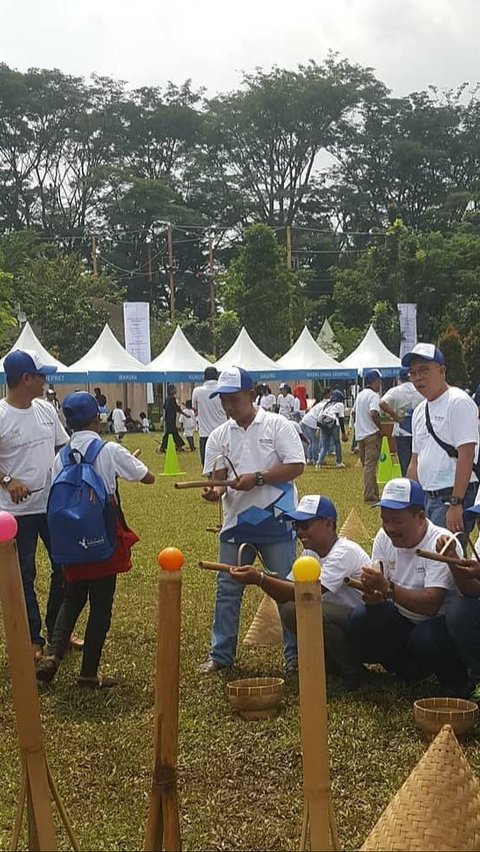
{"type": "Point", "coordinates": [447, 448]}
{"type": "Point", "coordinates": [93, 449]}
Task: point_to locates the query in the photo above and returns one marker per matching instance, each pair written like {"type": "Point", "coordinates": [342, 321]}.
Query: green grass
{"type": "Point", "coordinates": [240, 783]}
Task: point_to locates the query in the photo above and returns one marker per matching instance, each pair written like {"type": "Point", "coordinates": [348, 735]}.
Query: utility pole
{"type": "Point", "coordinates": [289, 248]}
{"type": "Point", "coordinates": [94, 255]}
{"type": "Point", "coordinates": [171, 279]}
{"type": "Point", "coordinates": [212, 293]}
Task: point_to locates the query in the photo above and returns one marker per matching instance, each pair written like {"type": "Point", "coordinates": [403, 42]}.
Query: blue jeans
{"type": "Point", "coordinates": [30, 528]}
{"type": "Point", "coordinates": [327, 437]}
{"type": "Point", "coordinates": [404, 451]}
{"type": "Point", "coordinates": [278, 557]}
{"type": "Point", "coordinates": [463, 624]}
{"type": "Point", "coordinates": [412, 650]}
{"type": "Point", "coordinates": [312, 438]}
{"type": "Point", "coordinates": [436, 509]}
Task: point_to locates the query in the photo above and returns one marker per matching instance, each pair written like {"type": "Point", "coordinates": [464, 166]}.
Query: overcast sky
{"type": "Point", "coordinates": [409, 43]}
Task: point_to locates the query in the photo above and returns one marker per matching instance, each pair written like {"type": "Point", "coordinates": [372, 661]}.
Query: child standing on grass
{"type": "Point", "coordinates": [144, 421]}
{"type": "Point", "coordinates": [187, 418]}
{"type": "Point", "coordinates": [119, 421]}
{"type": "Point", "coordinates": [94, 581]}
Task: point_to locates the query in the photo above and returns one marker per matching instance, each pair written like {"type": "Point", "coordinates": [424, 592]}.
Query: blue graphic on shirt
{"type": "Point", "coordinates": [265, 524]}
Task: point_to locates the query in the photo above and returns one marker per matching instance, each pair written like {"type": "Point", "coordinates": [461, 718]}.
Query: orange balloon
{"type": "Point", "coordinates": [170, 559]}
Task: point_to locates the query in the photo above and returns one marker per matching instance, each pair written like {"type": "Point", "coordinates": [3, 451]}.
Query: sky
{"type": "Point", "coordinates": [409, 43]}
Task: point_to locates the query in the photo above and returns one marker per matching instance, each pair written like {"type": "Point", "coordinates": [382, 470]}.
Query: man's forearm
{"type": "Point", "coordinates": [412, 469]}
{"type": "Point", "coordinates": [421, 601]}
{"type": "Point", "coordinates": [463, 469]}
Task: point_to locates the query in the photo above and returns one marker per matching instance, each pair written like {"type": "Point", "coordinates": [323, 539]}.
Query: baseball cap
{"type": "Point", "coordinates": [402, 493]}
{"type": "Point", "coordinates": [282, 386]}
{"type": "Point", "coordinates": [233, 380]}
{"type": "Point", "coordinates": [337, 394]}
{"type": "Point", "coordinates": [80, 408]}
{"type": "Point", "coordinates": [371, 376]}
{"type": "Point", "coordinates": [474, 510]}
{"type": "Point", "coordinates": [427, 351]}
{"type": "Point", "coordinates": [313, 506]}
{"type": "Point", "coordinates": [21, 361]}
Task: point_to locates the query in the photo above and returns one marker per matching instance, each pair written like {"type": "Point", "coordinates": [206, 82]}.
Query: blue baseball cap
{"type": "Point", "coordinates": [313, 506]}
{"type": "Point", "coordinates": [474, 511]}
{"type": "Point", "coordinates": [371, 376]}
{"type": "Point", "coordinates": [22, 361]}
{"type": "Point", "coordinates": [80, 408]}
{"type": "Point", "coordinates": [427, 351]}
{"type": "Point", "coordinates": [337, 394]}
{"type": "Point", "coordinates": [402, 493]}
{"type": "Point", "coordinates": [233, 380]}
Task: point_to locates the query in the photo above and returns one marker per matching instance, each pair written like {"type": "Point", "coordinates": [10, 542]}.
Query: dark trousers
{"type": "Point", "coordinates": [404, 451]}
{"type": "Point", "coordinates": [202, 445]}
{"type": "Point", "coordinates": [191, 442]}
{"type": "Point", "coordinates": [30, 528]}
{"type": "Point", "coordinates": [176, 437]}
{"type": "Point", "coordinates": [463, 624]}
{"type": "Point", "coordinates": [381, 634]}
{"type": "Point", "coordinates": [100, 594]}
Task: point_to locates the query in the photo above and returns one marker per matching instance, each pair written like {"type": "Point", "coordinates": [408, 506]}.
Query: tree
{"type": "Point", "coordinates": [227, 329]}
{"type": "Point", "coordinates": [471, 350]}
{"type": "Point", "coordinates": [258, 288]}
{"type": "Point", "coordinates": [451, 345]}
{"type": "Point", "coordinates": [7, 321]}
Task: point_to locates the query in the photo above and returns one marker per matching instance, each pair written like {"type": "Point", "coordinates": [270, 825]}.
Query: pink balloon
{"type": "Point", "coordinates": [8, 526]}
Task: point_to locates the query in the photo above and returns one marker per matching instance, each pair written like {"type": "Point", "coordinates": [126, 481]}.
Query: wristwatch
{"type": "Point", "coordinates": [390, 591]}
{"type": "Point", "coordinates": [259, 480]}
{"type": "Point", "coordinates": [455, 501]}
{"type": "Point", "coordinates": [6, 480]}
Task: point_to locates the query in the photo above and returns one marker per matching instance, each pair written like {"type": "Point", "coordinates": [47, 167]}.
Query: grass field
{"type": "Point", "coordinates": [240, 782]}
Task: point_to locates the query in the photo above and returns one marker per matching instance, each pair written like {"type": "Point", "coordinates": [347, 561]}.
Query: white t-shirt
{"type": "Point", "coordinates": [345, 559]}
{"type": "Point", "coordinates": [28, 437]}
{"type": "Point", "coordinates": [366, 402]}
{"type": "Point", "coordinates": [403, 399]}
{"type": "Point", "coordinates": [118, 420]}
{"type": "Point", "coordinates": [454, 418]}
{"type": "Point", "coordinates": [286, 404]}
{"type": "Point", "coordinates": [311, 417]}
{"type": "Point", "coordinates": [187, 420]}
{"type": "Point", "coordinates": [403, 566]}
{"type": "Point", "coordinates": [210, 412]}
{"type": "Point", "coordinates": [267, 401]}
{"type": "Point", "coordinates": [333, 409]}
{"type": "Point", "coordinates": [257, 515]}
{"type": "Point", "coordinates": [113, 460]}
{"type": "Point", "coordinates": [145, 424]}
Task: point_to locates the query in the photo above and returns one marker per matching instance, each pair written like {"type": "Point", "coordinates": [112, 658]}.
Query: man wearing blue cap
{"type": "Point", "coordinates": [366, 414]}
{"type": "Point", "coordinates": [399, 403]}
{"type": "Point", "coordinates": [315, 521]}
{"type": "Point", "coordinates": [30, 434]}
{"type": "Point", "coordinates": [445, 439]}
{"type": "Point", "coordinates": [260, 454]}
{"type": "Point", "coordinates": [402, 622]}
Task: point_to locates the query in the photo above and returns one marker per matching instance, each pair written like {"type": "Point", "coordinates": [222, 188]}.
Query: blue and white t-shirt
{"type": "Point", "coordinates": [256, 516]}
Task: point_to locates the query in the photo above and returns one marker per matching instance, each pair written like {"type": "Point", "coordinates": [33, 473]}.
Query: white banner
{"type": "Point", "coordinates": [407, 312]}
{"type": "Point", "coordinates": [136, 323]}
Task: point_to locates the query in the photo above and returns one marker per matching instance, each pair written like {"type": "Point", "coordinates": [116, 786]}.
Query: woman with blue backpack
{"type": "Point", "coordinates": [89, 535]}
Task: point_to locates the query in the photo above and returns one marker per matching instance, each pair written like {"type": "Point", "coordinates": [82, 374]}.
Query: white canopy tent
{"type": "Point", "coordinates": [179, 362]}
{"type": "Point", "coordinates": [27, 339]}
{"type": "Point", "coordinates": [306, 360]}
{"type": "Point", "coordinates": [372, 353]}
{"type": "Point", "coordinates": [245, 353]}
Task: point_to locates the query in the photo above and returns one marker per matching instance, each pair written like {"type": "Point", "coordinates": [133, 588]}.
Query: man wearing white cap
{"type": "Point", "coordinates": [285, 401]}
{"type": "Point", "coordinates": [30, 434]}
{"type": "Point", "coordinates": [444, 439]}
{"type": "Point", "coordinates": [315, 521]}
{"type": "Point", "coordinates": [259, 454]}
{"type": "Point", "coordinates": [402, 622]}
{"type": "Point", "coordinates": [366, 413]}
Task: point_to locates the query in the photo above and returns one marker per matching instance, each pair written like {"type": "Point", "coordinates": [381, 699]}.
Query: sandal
{"type": "Point", "coordinates": [97, 682]}
{"type": "Point", "coordinates": [47, 669]}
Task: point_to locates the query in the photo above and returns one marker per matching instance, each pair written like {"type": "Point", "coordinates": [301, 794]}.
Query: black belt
{"type": "Point", "coordinates": [447, 492]}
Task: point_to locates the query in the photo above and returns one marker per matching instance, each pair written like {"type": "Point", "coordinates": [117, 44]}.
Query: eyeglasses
{"type": "Point", "coordinates": [421, 372]}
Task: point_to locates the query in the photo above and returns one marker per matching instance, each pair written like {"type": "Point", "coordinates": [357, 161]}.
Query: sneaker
{"type": "Point", "coordinates": [210, 667]}
{"type": "Point", "coordinates": [98, 682]}
{"type": "Point", "coordinates": [291, 666]}
{"type": "Point", "coordinates": [341, 464]}
{"type": "Point", "coordinates": [47, 669]}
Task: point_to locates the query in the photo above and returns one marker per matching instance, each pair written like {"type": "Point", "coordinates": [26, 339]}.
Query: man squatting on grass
{"type": "Point", "coordinates": [267, 454]}
{"type": "Point", "coordinates": [94, 581]}
{"type": "Point", "coordinates": [315, 521]}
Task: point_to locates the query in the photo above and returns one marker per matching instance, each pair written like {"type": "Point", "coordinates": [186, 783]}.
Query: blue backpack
{"type": "Point", "coordinates": [81, 517]}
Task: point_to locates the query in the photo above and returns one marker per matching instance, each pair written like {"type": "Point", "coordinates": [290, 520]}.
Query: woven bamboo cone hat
{"type": "Point", "coordinates": [266, 627]}
{"type": "Point", "coordinates": [354, 528]}
{"type": "Point", "coordinates": [438, 807]}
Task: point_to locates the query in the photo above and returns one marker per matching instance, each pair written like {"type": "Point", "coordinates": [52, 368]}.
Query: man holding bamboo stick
{"type": "Point", "coordinates": [260, 455]}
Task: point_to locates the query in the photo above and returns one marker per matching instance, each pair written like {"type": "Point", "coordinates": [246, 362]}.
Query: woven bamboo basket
{"type": "Point", "coordinates": [431, 714]}
{"type": "Point", "coordinates": [255, 697]}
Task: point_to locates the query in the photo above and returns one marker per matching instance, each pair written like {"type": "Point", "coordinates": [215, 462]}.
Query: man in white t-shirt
{"type": "Point", "coordinates": [447, 416]}
{"type": "Point", "coordinates": [209, 412]}
{"type": "Point", "coordinates": [309, 427]}
{"type": "Point", "coordinates": [30, 434]}
{"type": "Point", "coordinates": [402, 622]}
{"type": "Point", "coordinates": [399, 403]}
{"type": "Point", "coordinates": [366, 415]}
{"type": "Point", "coordinates": [119, 421]}
{"type": "Point", "coordinates": [333, 410]}
{"type": "Point", "coordinates": [260, 455]}
{"type": "Point", "coordinates": [285, 401]}
{"type": "Point", "coordinates": [315, 521]}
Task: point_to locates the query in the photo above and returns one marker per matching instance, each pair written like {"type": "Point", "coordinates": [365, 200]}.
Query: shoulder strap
{"type": "Point", "coordinates": [93, 449]}
{"type": "Point", "coordinates": [447, 448]}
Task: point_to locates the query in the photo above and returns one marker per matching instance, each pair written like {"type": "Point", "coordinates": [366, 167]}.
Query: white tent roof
{"type": "Point", "coordinates": [179, 356]}
{"type": "Point", "coordinates": [107, 355]}
{"type": "Point", "coordinates": [245, 353]}
{"type": "Point", "coordinates": [27, 339]}
{"type": "Point", "coordinates": [306, 354]}
{"type": "Point", "coordinates": [371, 352]}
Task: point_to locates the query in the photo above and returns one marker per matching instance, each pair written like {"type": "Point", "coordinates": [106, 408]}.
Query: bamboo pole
{"type": "Point", "coordinates": [442, 557]}
{"type": "Point", "coordinates": [216, 566]}
{"type": "Point", "coordinates": [354, 584]}
{"type": "Point", "coordinates": [163, 826]}
{"type": "Point", "coordinates": [318, 821]}
{"type": "Point", "coordinates": [205, 483]}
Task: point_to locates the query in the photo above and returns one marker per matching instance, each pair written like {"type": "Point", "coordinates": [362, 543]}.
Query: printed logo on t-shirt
{"type": "Point", "coordinates": [14, 433]}
{"type": "Point", "coordinates": [420, 569]}
{"type": "Point", "coordinates": [268, 441]}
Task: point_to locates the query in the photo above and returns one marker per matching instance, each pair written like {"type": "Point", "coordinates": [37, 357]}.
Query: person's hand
{"type": "Point", "coordinates": [245, 482]}
{"type": "Point", "coordinates": [213, 493]}
{"type": "Point", "coordinates": [373, 580]}
{"type": "Point", "coordinates": [246, 574]}
{"type": "Point", "coordinates": [372, 598]}
{"type": "Point", "coordinates": [454, 518]}
{"type": "Point", "coordinates": [17, 490]}
{"type": "Point", "coordinates": [451, 550]}
{"type": "Point", "coordinates": [469, 568]}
